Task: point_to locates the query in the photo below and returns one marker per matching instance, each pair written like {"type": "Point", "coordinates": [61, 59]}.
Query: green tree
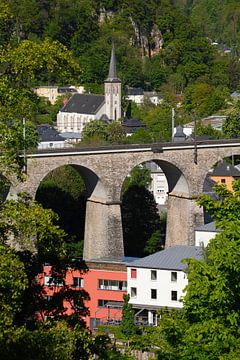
{"type": "Point", "coordinates": [115, 133]}
{"type": "Point", "coordinates": [208, 325]}
{"type": "Point", "coordinates": [128, 327]}
{"type": "Point", "coordinates": [231, 126]}
{"type": "Point", "coordinates": [140, 219]}
{"type": "Point", "coordinates": [95, 132]}
{"type": "Point", "coordinates": [139, 176]}
{"type": "Point", "coordinates": [153, 243]}
{"type": "Point", "coordinates": [13, 282]}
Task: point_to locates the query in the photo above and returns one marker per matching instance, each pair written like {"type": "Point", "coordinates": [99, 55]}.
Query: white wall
{"type": "Point", "coordinates": [73, 122]}
{"type": "Point", "coordinates": [163, 284]}
{"type": "Point", "coordinates": [51, 144]}
{"type": "Point", "coordinates": [159, 187]}
{"type": "Point", "coordinates": [203, 237]}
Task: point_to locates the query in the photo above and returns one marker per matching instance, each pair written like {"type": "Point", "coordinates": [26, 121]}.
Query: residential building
{"type": "Point", "coordinates": [204, 233]}
{"type": "Point", "coordinates": [138, 96]}
{"type": "Point", "coordinates": [49, 138]}
{"type": "Point", "coordinates": [158, 281]}
{"type": "Point", "coordinates": [51, 93]}
{"type": "Point", "coordinates": [224, 173]}
{"type": "Point", "coordinates": [105, 282]}
{"type": "Point", "coordinates": [159, 184]}
{"type": "Point", "coordinates": [83, 108]}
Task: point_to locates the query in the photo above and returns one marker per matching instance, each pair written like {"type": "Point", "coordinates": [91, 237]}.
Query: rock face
{"type": "Point", "coordinates": [104, 172]}
{"type": "Point", "coordinates": [151, 43]}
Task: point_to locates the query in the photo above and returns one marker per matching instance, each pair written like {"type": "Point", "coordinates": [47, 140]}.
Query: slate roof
{"type": "Point", "coordinates": [170, 258]}
{"type": "Point", "coordinates": [63, 90]}
{"type": "Point", "coordinates": [71, 135]}
{"type": "Point", "coordinates": [112, 73]}
{"type": "Point", "coordinates": [134, 91]}
{"type": "Point", "coordinates": [179, 135]}
{"type": "Point", "coordinates": [132, 124]}
{"type": "Point", "coordinates": [47, 133]}
{"type": "Point", "coordinates": [225, 169]}
{"type": "Point", "coordinates": [210, 227]}
{"type": "Point", "coordinates": [84, 104]}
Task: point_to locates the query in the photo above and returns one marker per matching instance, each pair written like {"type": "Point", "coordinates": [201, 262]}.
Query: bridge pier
{"type": "Point", "coordinates": [103, 230]}
{"type": "Point", "coordinates": [182, 218]}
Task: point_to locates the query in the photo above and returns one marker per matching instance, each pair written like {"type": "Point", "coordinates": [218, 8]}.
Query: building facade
{"type": "Point", "coordinates": [105, 282]}
{"type": "Point", "coordinates": [158, 281]}
{"type": "Point", "coordinates": [84, 108]}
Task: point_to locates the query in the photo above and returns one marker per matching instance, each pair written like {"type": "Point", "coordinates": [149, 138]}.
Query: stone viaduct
{"type": "Point", "coordinates": [104, 170]}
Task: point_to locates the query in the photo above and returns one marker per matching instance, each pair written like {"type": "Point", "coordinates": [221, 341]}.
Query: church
{"type": "Point", "coordinates": [83, 108]}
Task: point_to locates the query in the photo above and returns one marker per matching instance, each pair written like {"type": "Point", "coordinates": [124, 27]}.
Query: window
{"type": "Point", "coordinates": [133, 273]}
{"type": "Point", "coordinates": [223, 181]}
{"type": "Point", "coordinates": [103, 303]}
{"type": "Point", "coordinates": [51, 281]}
{"type": "Point", "coordinates": [153, 274]}
{"type": "Point", "coordinates": [153, 293]}
{"type": "Point", "coordinates": [173, 276]}
{"type": "Point", "coordinates": [112, 285]}
{"type": "Point", "coordinates": [174, 295]}
{"type": "Point", "coordinates": [78, 282]}
{"type": "Point", "coordinates": [133, 292]}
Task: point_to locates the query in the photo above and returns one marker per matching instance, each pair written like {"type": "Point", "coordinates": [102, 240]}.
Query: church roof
{"type": "Point", "coordinates": [112, 73]}
{"type": "Point", "coordinates": [84, 104]}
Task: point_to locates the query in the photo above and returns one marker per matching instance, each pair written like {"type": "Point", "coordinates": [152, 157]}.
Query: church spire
{"type": "Point", "coordinates": [112, 73]}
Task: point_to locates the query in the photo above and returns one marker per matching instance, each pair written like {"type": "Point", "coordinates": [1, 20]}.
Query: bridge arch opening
{"type": "Point", "coordinates": [146, 205]}
{"type": "Point", "coordinates": [65, 190]}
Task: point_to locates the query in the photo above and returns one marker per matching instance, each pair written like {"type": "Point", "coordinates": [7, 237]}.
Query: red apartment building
{"type": "Point", "coordinates": [105, 282]}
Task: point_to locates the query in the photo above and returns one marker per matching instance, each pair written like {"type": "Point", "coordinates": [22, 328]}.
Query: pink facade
{"type": "Point", "coordinates": [104, 282]}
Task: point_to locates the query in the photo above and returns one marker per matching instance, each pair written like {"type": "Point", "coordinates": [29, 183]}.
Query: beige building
{"type": "Point", "coordinates": [51, 93]}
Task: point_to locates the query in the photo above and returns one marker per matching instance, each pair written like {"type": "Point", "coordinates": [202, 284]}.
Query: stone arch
{"type": "Point", "coordinates": [180, 224]}
{"type": "Point", "coordinates": [94, 186]}
{"type": "Point", "coordinates": [177, 180]}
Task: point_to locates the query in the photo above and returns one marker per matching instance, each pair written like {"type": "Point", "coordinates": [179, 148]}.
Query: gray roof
{"type": "Point", "coordinates": [170, 258]}
{"type": "Point", "coordinates": [71, 135]}
{"type": "Point", "coordinates": [134, 91]}
{"type": "Point", "coordinates": [210, 227]}
{"type": "Point", "coordinates": [84, 104]}
{"type": "Point", "coordinates": [112, 74]}
{"type": "Point", "coordinates": [64, 90]}
{"type": "Point", "coordinates": [47, 133]}
{"type": "Point", "coordinates": [179, 133]}
{"type": "Point", "coordinates": [131, 125]}
{"type": "Point", "coordinates": [225, 169]}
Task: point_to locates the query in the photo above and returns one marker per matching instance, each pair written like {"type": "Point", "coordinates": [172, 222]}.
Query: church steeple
{"type": "Point", "coordinates": [112, 73]}
{"type": "Point", "coordinates": [113, 90]}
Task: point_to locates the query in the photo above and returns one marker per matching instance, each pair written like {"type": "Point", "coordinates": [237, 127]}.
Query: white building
{"type": "Point", "coordinates": [83, 108]}
{"type": "Point", "coordinates": [205, 233]}
{"type": "Point", "coordinates": [159, 184]}
{"type": "Point", "coordinates": [158, 280]}
{"type": "Point", "coordinates": [138, 96]}
{"type": "Point", "coordinates": [49, 138]}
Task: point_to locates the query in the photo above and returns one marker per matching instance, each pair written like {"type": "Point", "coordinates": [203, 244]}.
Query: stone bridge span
{"type": "Point", "coordinates": [105, 168]}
